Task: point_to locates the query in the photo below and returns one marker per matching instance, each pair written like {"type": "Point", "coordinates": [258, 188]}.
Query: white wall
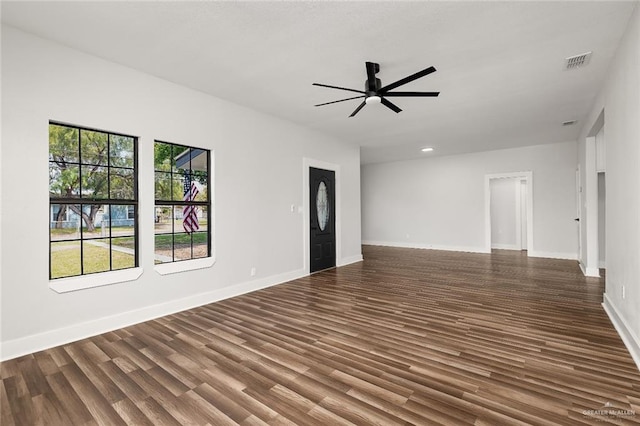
{"type": "Point", "coordinates": [602, 215]}
{"type": "Point", "coordinates": [258, 176]}
{"type": "Point", "coordinates": [620, 100]}
{"type": "Point", "coordinates": [503, 213]}
{"type": "Point", "coordinates": [439, 202]}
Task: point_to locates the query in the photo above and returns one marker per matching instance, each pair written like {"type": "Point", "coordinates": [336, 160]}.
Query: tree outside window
{"type": "Point", "coordinates": [183, 204]}
{"type": "Point", "coordinates": [93, 201]}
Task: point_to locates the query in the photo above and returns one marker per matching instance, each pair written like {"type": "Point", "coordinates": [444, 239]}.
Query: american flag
{"type": "Point", "coordinates": [190, 214]}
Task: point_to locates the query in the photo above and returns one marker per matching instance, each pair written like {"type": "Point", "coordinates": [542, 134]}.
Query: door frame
{"type": "Point", "coordinates": [528, 178]}
{"type": "Point", "coordinates": [306, 231]}
{"type": "Point", "coordinates": [579, 213]}
{"type": "Point", "coordinates": [522, 213]}
{"type": "Point", "coordinates": [589, 259]}
{"type": "Point", "coordinates": [602, 221]}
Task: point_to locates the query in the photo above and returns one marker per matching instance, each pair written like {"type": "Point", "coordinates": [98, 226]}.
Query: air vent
{"type": "Point", "coordinates": [577, 61]}
{"type": "Point", "coordinates": [569, 123]}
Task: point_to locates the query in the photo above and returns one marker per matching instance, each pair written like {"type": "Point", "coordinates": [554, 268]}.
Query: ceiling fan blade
{"type": "Point", "coordinates": [411, 94]}
{"type": "Point", "coordinates": [341, 100]}
{"type": "Point", "coordinates": [339, 88]}
{"type": "Point", "coordinates": [372, 69]}
{"type": "Point", "coordinates": [358, 109]}
{"type": "Point", "coordinates": [406, 80]}
{"type": "Point", "coordinates": [389, 105]}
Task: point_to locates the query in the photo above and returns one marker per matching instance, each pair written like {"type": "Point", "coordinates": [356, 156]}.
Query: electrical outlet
{"type": "Point", "coordinates": [253, 272]}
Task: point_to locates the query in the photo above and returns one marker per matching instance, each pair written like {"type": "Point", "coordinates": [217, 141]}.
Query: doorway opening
{"type": "Point", "coordinates": [593, 203]}
{"type": "Point", "coordinates": [509, 211]}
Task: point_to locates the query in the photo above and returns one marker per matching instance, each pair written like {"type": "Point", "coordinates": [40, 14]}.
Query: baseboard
{"type": "Point", "coordinates": [37, 342]}
{"type": "Point", "coordinates": [424, 246]}
{"type": "Point", "coordinates": [505, 247]}
{"type": "Point", "coordinates": [582, 268]}
{"type": "Point", "coordinates": [553, 255]}
{"type": "Point", "coordinates": [351, 259]}
{"type": "Point", "coordinates": [589, 272]}
{"type": "Point", "coordinates": [550, 255]}
{"type": "Point", "coordinates": [627, 335]}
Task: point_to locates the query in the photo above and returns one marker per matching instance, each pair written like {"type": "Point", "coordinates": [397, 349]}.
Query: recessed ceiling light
{"type": "Point", "coordinates": [427, 149]}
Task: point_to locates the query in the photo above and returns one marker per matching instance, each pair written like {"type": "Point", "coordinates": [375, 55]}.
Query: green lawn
{"type": "Point", "coordinates": [63, 231]}
{"type": "Point", "coordinates": [66, 262]}
{"type": "Point", "coordinates": [164, 241]}
{"type": "Point", "coordinates": [65, 256]}
{"type": "Point", "coordinates": [126, 242]}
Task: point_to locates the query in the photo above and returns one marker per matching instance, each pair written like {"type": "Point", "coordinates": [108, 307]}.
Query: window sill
{"type": "Point", "coordinates": [65, 285]}
{"type": "Point", "coordinates": [183, 266]}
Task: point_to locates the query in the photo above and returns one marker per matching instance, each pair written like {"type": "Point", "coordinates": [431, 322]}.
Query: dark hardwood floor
{"type": "Point", "coordinates": [406, 337]}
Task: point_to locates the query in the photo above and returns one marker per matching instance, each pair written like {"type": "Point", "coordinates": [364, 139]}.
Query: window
{"type": "Point", "coordinates": [93, 201]}
{"type": "Point", "coordinates": [183, 202]}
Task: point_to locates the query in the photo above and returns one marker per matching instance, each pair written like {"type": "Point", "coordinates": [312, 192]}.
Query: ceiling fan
{"type": "Point", "coordinates": [375, 93]}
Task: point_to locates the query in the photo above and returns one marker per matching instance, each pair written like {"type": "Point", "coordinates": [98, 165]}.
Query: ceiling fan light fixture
{"type": "Point", "coordinates": [374, 99]}
{"type": "Point", "coordinates": [375, 93]}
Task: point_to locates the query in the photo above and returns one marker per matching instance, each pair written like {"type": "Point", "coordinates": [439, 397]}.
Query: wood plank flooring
{"type": "Point", "coordinates": [405, 337]}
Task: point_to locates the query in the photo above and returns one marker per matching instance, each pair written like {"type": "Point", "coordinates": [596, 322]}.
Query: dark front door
{"type": "Point", "coordinates": [322, 200]}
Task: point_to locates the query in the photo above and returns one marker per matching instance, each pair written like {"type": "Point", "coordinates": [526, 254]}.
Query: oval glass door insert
{"type": "Point", "coordinates": [322, 206]}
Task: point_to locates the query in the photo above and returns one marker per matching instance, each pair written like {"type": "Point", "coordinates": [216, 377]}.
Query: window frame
{"type": "Point", "coordinates": [75, 282]}
{"type": "Point", "coordinates": [179, 265]}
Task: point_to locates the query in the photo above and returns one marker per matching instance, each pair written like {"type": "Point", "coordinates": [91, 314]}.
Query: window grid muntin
{"type": "Point", "coordinates": [89, 201]}
{"type": "Point", "coordinates": [176, 203]}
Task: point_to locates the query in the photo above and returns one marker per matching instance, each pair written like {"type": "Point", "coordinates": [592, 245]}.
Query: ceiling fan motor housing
{"type": "Point", "coordinates": [376, 87]}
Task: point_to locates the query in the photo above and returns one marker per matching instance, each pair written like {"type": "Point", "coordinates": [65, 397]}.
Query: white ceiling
{"type": "Point", "coordinates": [500, 64]}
